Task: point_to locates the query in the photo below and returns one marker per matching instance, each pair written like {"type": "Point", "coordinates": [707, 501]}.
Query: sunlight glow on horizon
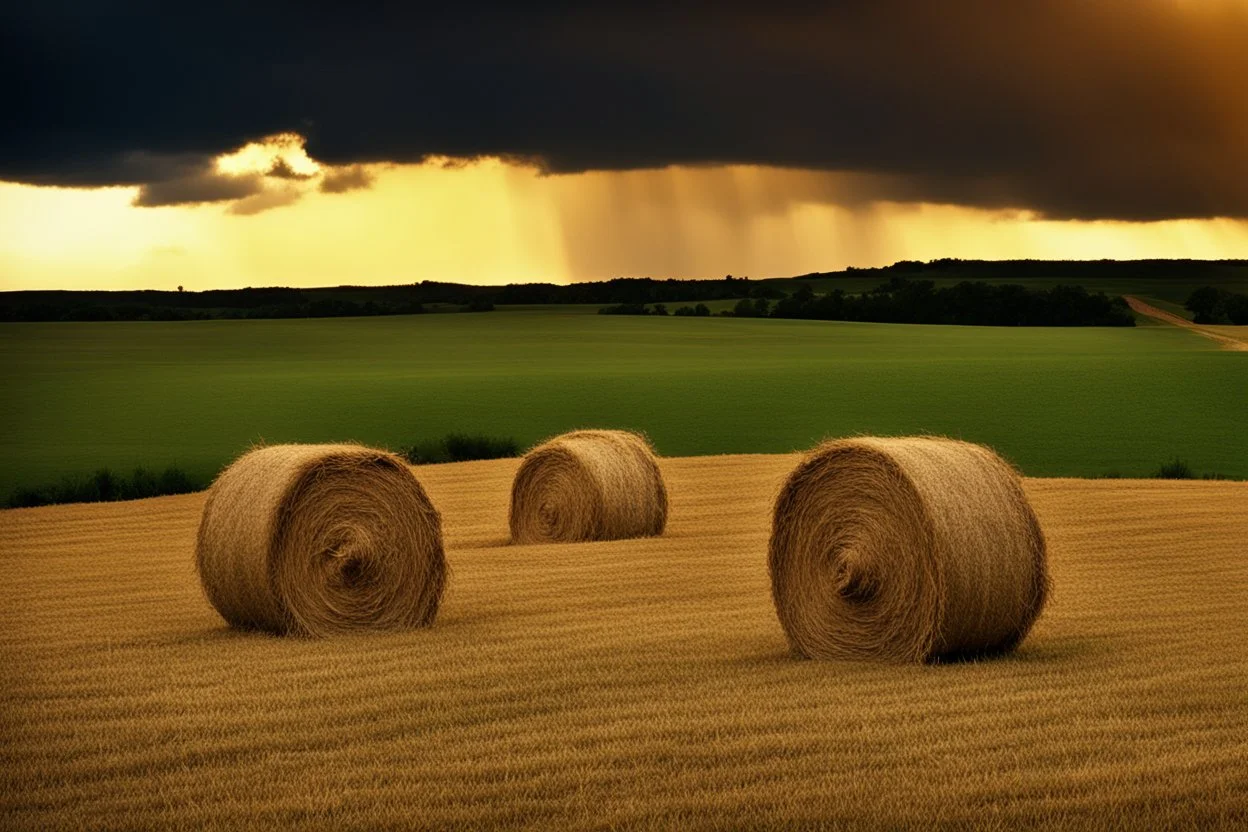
{"type": "Point", "coordinates": [492, 222]}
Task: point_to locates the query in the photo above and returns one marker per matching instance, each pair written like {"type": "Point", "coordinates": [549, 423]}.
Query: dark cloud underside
{"type": "Point", "coordinates": [1132, 109]}
{"type": "Point", "coordinates": [204, 186]}
{"type": "Point", "coordinates": [281, 169]}
{"type": "Point", "coordinates": [351, 178]}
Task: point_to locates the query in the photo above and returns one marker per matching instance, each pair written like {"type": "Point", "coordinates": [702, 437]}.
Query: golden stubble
{"type": "Point", "coordinates": [640, 683]}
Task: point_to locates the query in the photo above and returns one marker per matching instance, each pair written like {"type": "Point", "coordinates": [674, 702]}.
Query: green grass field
{"type": "Point", "coordinates": [1077, 402]}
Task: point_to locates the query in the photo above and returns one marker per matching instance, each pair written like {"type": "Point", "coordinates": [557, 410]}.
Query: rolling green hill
{"type": "Point", "coordinates": [1057, 401]}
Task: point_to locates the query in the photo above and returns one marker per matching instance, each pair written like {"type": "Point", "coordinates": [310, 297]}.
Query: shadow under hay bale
{"type": "Point", "coordinates": [321, 539]}
{"type": "Point", "coordinates": [588, 485]}
{"type": "Point", "coordinates": [905, 549]}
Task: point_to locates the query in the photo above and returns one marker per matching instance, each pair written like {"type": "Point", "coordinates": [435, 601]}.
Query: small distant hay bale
{"type": "Point", "coordinates": [321, 539]}
{"type": "Point", "coordinates": [588, 485]}
{"type": "Point", "coordinates": [905, 549]}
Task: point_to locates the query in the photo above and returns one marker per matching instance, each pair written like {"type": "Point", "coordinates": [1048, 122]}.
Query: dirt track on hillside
{"type": "Point", "coordinates": [1227, 340]}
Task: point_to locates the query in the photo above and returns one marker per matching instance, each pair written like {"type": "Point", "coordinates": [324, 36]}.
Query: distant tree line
{"type": "Point", "coordinates": [634, 309]}
{"type": "Point", "coordinates": [243, 303]}
{"type": "Point", "coordinates": [628, 291]}
{"type": "Point", "coordinates": [701, 310]}
{"type": "Point", "coordinates": [1218, 306]}
{"type": "Point", "coordinates": [413, 299]}
{"type": "Point", "coordinates": [632, 294]}
{"type": "Point", "coordinates": [920, 302]}
{"type": "Point", "coordinates": [968, 303]}
{"type": "Point", "coordinates": [1074, 269]}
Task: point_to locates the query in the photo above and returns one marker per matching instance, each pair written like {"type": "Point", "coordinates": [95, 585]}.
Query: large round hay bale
{"type": "Point", "coordinates": [321, 539]}
{"type": "Point", "coordinates": [905, 549]}
{"type": "Point", "coordinates": [588, 485]}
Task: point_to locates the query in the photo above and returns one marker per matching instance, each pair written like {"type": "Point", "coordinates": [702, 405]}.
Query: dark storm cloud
{"type": "Point", "coordinates": [351, 178]}
{"type": "Point", "coordinates": [204, 186]}
{"type": "Point", "coordinates": [281, 169]}
{"type": "Point", "coordinates": [1132, 109]}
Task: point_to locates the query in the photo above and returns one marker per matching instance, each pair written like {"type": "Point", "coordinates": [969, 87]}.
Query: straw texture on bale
{"type": "Point", "coordinates": [588, 485]}
{"type": "Point", "coordinates": [905, 549]}
{"type": "Point", "coordinates": [321, 539]}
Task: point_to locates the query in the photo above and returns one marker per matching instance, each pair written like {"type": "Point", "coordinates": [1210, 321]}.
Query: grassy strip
{"type": "Point", "coordinates": [1175, 469]}
{"type": "Point", "coordinates": [107, 486]}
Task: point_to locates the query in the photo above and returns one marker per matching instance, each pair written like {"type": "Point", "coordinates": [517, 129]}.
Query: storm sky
{"type": "Point", "coordinates": [1043, 111]}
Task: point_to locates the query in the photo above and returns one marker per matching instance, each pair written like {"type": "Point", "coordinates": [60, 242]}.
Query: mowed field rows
{"type": "Point", "coordinates": [639, 683]}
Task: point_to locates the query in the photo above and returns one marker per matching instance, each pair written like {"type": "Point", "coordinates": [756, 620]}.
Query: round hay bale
{"type": "Point", "coordinates": [321, 539]}
{"type": "Point", "coordinates": [905, 549]}
{"type": "Point", "coordinates": [588, 485]}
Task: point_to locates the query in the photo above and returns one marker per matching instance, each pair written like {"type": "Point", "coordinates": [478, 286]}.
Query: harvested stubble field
{"type": "Point", "coordinates": [640, 683]}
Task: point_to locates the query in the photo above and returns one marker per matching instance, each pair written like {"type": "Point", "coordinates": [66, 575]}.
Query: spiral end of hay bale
{"type": "Point", "coordinates": [321, 539]}
{"type": "Point", "coordinates": [588, 485]}
{"type": "Point", "coordinates": [905, 549]}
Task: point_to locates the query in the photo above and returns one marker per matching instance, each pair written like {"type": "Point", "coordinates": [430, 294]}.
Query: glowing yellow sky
{"type": "Point", "coordinates": [489, 222]}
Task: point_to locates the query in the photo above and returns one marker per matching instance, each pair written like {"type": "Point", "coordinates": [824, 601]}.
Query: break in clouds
{"type": "Point", "coordinates": [1083, 109]}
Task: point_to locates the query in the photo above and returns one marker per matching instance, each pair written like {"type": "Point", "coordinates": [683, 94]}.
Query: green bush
{"type": "Point", "coordinates": [745, 308]}
{"type": "Point", "coordinates": [105, 486]}
{"type": "Point", "coordinates": [1176, 469]}
{"type": "Point", "coordinates": [699, 311]}
{"type": "Point", "coordinates": [626, 309]}
{"type": "Point", "coordinates": [461, 447]}
{"type": "Point", "coordinates": [481, 303]}
{"type": "Point", "coordinates": [1210, 305]}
